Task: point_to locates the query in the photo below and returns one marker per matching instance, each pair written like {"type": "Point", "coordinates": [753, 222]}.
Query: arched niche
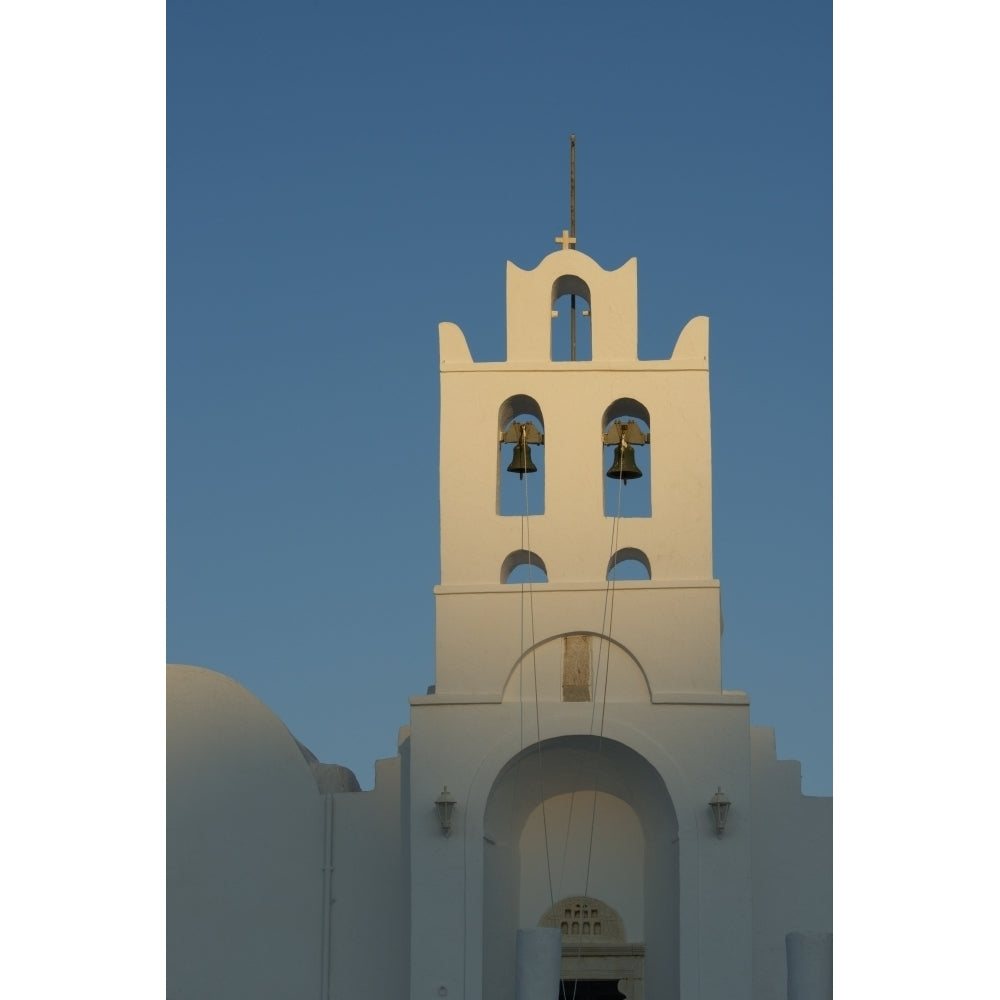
{"type": "Point", "coordinates": [610, 835]}
{"type": "Point", "coordinates": [523, 566]}
{"type": "Point", "coordinates": [520, 494]}
{"type": "Point", "coordinates": [577, 666]}
{"type": "Point", "coordinates": [629, 564]}
{"type": "Point", "coordinates": [632, 497]}
{"type": "Point", "coordinates": [571, 310]}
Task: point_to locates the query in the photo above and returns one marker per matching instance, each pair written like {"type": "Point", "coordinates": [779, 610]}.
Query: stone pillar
{"type": "Point", "coordinates": [810, 966]}
{"type": "Point", "coordinates": [539, 959]}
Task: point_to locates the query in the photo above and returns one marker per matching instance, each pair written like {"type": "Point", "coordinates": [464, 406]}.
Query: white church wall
{"type": "Point", "coordinates": [476, 538]}
{"type": "Point", "coordinates": [446, 747]}
{"type": "Point", "coordinates": [792, 862]}
{"type": "Point", "coordinates": [673, 631]}
{"type": "Point", "coordinates": [244, 842]}
{"type": "Point", "coordinates": [706, 746]}
{"type": "Point", "coordinates": [369, 891]}
{"type": "Point", "coordinates": [706, 909]}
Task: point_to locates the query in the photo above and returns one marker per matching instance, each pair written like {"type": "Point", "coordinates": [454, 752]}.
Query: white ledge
{"type": "Point", "coordinates": [560, 588]}
{"type": "Point", "coordinates": [554, 367]}
{"type": "Point", "coordinates": [659, 698]}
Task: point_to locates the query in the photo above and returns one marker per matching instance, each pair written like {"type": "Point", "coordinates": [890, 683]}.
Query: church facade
{"type": "Point", "coordinates": [577, 765]}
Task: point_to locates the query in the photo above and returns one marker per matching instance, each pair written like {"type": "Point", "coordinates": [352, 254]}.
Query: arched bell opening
{"type": "Point", "coordinates": [523, 566]}
{"type": "Point", "coordinates": [574, 819]}
{"type": "Point", "coordinates": [571, 328]}
{"type": "Point", "coordinates": [629, 564]}
{"type": "Point", "coordinates": [521, 457]}
{"type": "Point", "coordinates": [626, 457]}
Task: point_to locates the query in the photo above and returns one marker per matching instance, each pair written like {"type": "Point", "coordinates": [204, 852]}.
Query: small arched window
{"type": "Point", "coordinates": [523, 566]}
{"type": "Point", "coordinates": [629, 564]}
{"type": "Point", "coordinates": [521, 433]}
{"type": "Point", "coordinates": [627, 494]}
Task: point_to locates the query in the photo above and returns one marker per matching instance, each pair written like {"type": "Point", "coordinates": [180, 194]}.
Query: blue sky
{"type": "Point", "coordinates": [340, 179]}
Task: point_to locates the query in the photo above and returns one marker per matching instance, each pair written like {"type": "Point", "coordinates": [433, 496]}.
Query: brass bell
{"type": "Point", "coordinates": [521, 462]}
{"type": "Point", "coordinates": [623, 466]}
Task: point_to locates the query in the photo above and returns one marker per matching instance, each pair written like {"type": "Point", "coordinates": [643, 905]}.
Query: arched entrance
{"type": "Point", "coordinates": [586, 819]}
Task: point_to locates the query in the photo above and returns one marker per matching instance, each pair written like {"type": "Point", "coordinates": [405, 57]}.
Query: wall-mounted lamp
{"type": "Point", "coordinates": [445, 804]}
{"type": "Point", "coordinates": [719, 805]}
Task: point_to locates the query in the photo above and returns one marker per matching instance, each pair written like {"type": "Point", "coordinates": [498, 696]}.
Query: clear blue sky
{"type": "Point", "coordinates": [341, 178]}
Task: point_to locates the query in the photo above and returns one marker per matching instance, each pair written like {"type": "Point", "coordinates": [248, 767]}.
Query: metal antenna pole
{"type": "Point", "coordinates": [572, 232]}
{"type": "Point", "coordinates": [572, 185]}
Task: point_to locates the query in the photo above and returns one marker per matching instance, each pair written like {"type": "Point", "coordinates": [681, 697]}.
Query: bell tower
{"type": "Point", "coordinates": [577, 720]}
{"type": "Point", "coordinates": [583, 416]}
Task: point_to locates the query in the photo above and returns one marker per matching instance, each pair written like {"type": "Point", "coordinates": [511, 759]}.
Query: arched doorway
{"type": "Point", "coordinates": [586, 818]}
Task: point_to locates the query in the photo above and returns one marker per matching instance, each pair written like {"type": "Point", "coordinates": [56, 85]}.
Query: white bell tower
{"type": "Point", "coordinates": [670, 622]}
{"type": "Point", "coordinates": [577, 721]}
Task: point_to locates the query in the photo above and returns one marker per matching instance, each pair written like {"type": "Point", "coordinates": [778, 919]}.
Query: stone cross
{"type": "Point", "coordinates": [566, 240]}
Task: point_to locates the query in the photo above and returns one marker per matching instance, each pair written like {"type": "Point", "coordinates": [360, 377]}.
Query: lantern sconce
{"type": "Point", "coordinates": [445, 804]}
{"type": "Point", "coordinates": [719, 805]}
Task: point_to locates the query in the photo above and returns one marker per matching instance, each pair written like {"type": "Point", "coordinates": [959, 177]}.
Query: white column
{"type": "Point", "coordinates": [539, 959]}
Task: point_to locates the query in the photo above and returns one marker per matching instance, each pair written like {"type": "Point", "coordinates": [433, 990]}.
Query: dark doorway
{"type": "Point", "coordinates": [590, 989]}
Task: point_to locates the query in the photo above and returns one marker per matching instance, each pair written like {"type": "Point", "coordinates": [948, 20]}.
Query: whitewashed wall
{"type": "Point", "coordinates": [792, 862]}
{"type": "Point", "coordinates": [244, 838]}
